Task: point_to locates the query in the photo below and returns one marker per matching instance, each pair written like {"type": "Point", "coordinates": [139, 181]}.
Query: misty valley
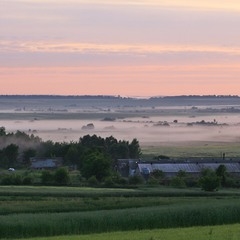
{"type": "Point", "coordinates": [153, 121]}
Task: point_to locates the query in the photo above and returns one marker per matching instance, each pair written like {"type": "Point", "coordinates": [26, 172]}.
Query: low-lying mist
{"type": "Point", "coordinates": [148, 131]}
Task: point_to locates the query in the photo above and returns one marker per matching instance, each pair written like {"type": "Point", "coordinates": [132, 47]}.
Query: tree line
{"type": "Point", "coordinates": [92, 155]}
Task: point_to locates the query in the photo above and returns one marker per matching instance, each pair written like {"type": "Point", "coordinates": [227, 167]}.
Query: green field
{"type": "Point", "coordinates": [27, 212]}
{"type": "Point", "coordinates": [223, 232]}
{"type": "Point", "coordinates": [199, 149]}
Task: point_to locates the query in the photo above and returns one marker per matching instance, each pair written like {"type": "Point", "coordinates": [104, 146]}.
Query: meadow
{"type": "Point", "coordinates": [59, 211]}
{"type": "Point", "coordinates": [222, 232]}
{"type": "Point", "coordinates": [189, 149]}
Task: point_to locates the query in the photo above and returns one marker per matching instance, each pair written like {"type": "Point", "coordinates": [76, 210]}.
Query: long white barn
{"type": "Point", "coordinates": [129, 167]}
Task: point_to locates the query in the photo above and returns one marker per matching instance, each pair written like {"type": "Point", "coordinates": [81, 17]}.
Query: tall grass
{"type": "Point", "coordinates": [223, 232]}
{"type": "Point", "coordinates": [183, 215]}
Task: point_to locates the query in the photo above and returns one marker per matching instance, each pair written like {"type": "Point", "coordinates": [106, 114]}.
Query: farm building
{"type": "Point", "coordinates": [170, 168]}
{"type": "Point", "coordinates": [45, 163]}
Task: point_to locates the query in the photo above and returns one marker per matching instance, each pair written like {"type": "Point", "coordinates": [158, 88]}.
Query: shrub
{"type": "Point", "coordinates": [46, 177]}
{"type": "Point", "coordinates": [135, 180]}
{"type": "Point", "coordinates": [152, 181]}
{"type": "Point", "coordinates": [61, 176]}
{"type": "Point", "coordinates": [12, 180]}
{"type": "Point", "coordinates": [92, 181]}
{"type": "Point", "coordinates": [159, 174]}
{"type": "Point", "coordinates": [191, 181]}
{"type": "Point", "coordinates": [209, 180]}
{"type": "Point", "coordinates": [109, 182]}
{"type": "Point", "coordinates": [178, 182]}
{"type": "Point", "coordinates": [27, 180]}
{"type": "Point", "coordinates": [7, 180]}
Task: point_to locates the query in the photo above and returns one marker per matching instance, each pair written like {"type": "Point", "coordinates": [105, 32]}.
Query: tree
{"type": "Point", "coordinates": [92, 141]}
{"type": "Point", "coordinates": [119, 150]}
{"type": "Point", "coordinates": [27, 154]}
{"type": "Point", "coordinates": [96, 164]}
{"type": "Point", "coordinates": [47, 177]}
{"type": "Point", "coordinates": [2, 131]}
{"type": "Point", "coordinates": [134, 149]}
{"type": "Point", "coordinates": [159, 174]}
{"type": "Point", "coordinates": [11, 154]}
{"type": "Point", "coordinates": [61, 176]}
{"type": "Point", "coordinates": [221, 173]}
{"type": "Point", "coordinates": [72, 156]}
{"type": "Point", "coordinates": [209, 180]}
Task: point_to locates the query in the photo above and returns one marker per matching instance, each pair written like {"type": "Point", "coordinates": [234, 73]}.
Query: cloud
{"type": "Point", "coordinates": [76, 47]}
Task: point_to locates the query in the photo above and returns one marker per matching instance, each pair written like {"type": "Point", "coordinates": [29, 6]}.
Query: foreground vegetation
{"type": "Point", "coordinates": [53, 211]}
{"type": "Point", "coordinates": [222, 232]}
{"type": "Point", "coordinates": [126, 205]}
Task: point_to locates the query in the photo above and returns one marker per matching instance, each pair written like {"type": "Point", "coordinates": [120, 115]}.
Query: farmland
{"type": "Point", "coordinates": [223, 232]}
{"type": "Point", "coordinates": [54, 211]}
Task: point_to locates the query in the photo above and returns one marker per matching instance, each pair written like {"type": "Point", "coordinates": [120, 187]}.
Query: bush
{"type": "Point", "coordinates": [135, 180]}
{"type": "Point", "coordinates": [152, 181]}
{"type": "Point", "coordinates": [109, 182]}
{"type": "Point", "coordinates": [92, 181]}
{"type": "Point", "coordinates": [191, 181]}
{"type": "Point", "coordinates": [12, 180]}
{"type": "Point", "coordinates": [118, 179]}
{"type": "Point", "coordinates": [27, 180]}
{"type": "Point", "coordinates": [178, 182]}
{"type": "Point", "coordinates": [7, 180]}
{"type": "Point", "coordinates": [46, 177]}
{"type": "Point", "coordinates": [61, 176]}
{"type": "Point", "coordinates": [209, 180]}
{"type": "Point", "coordinates": [159, 174]}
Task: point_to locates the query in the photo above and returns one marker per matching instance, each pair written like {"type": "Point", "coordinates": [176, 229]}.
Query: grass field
{"type": "Point", "coordinates": [223, 232]}
{"type": "Point", "coordinates": [188, 149]}
{"type": "Point", "coordinates": [58, 211]}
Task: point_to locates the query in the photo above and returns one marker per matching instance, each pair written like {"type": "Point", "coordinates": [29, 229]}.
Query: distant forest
{"type": "Point", "coordinates": [105, 100]}
{"type": "Point", "coordinates": [119, 97]}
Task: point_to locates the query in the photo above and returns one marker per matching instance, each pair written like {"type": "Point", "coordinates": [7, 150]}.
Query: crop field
{"type": "Point", "coordinates": [27, 212]}
{"type": "Point", "coordinates": [222, 232]}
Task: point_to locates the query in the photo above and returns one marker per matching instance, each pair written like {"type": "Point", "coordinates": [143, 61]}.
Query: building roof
{"type": "Point", "coordinates": [233, 167]}
{"type": "Point", "coordinates": [45, 163]}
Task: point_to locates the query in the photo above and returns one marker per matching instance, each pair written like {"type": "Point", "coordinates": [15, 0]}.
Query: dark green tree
{"type": "Point", "coordinates": [11, 154]}
{"type": "Point", "coordinates": [47, 177]}
{"type": "Point", "coordinates": [134, 149]}
{"type": "Point", "coordinates": [119, 150]}
{"type": "Point", "coordinates": [221, 172]}
{"type": "Point", "coordinates": [92, 142]}
{"type": "Point", "coordinates": [2, 131]}
{"type": "Point", "coordinates": [47, 149]}
{"type": "Point", "coordinates": [96, 164]}
{"type": "Point", "coordinates": [209, 181]}
{"type": "Point", "coordinates": [72, 156]}
{"type": "Point", "coordinates": [28, 154]}
{"type": "Point", "coordinates": [61, 176]}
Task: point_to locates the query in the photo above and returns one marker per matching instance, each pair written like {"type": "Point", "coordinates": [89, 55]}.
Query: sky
{"type": "Point", "coordinates": [122, 47]}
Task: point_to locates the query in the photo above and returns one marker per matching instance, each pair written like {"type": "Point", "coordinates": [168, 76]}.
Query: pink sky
{"type": "Point", "coordinates": [133, 48]}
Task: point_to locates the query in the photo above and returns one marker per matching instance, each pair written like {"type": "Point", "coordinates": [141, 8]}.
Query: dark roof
{"type": "Point", "coordinates": [45, 163]}
{"type": "Point", "coordinates": [233, 167]}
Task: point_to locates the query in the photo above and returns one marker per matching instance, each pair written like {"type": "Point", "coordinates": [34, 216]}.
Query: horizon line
{"type": "Point", "coordinates": [119, 96]}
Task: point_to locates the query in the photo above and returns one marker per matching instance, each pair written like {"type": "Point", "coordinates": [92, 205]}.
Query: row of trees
{"type": "Point", "coordinates": [208, 180]}
{"type": "Point", "coordinates": [92, 155]}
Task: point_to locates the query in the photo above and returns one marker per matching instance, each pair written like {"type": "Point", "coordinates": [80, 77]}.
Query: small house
{"type": "Point", "coordinates": [45, 163]}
